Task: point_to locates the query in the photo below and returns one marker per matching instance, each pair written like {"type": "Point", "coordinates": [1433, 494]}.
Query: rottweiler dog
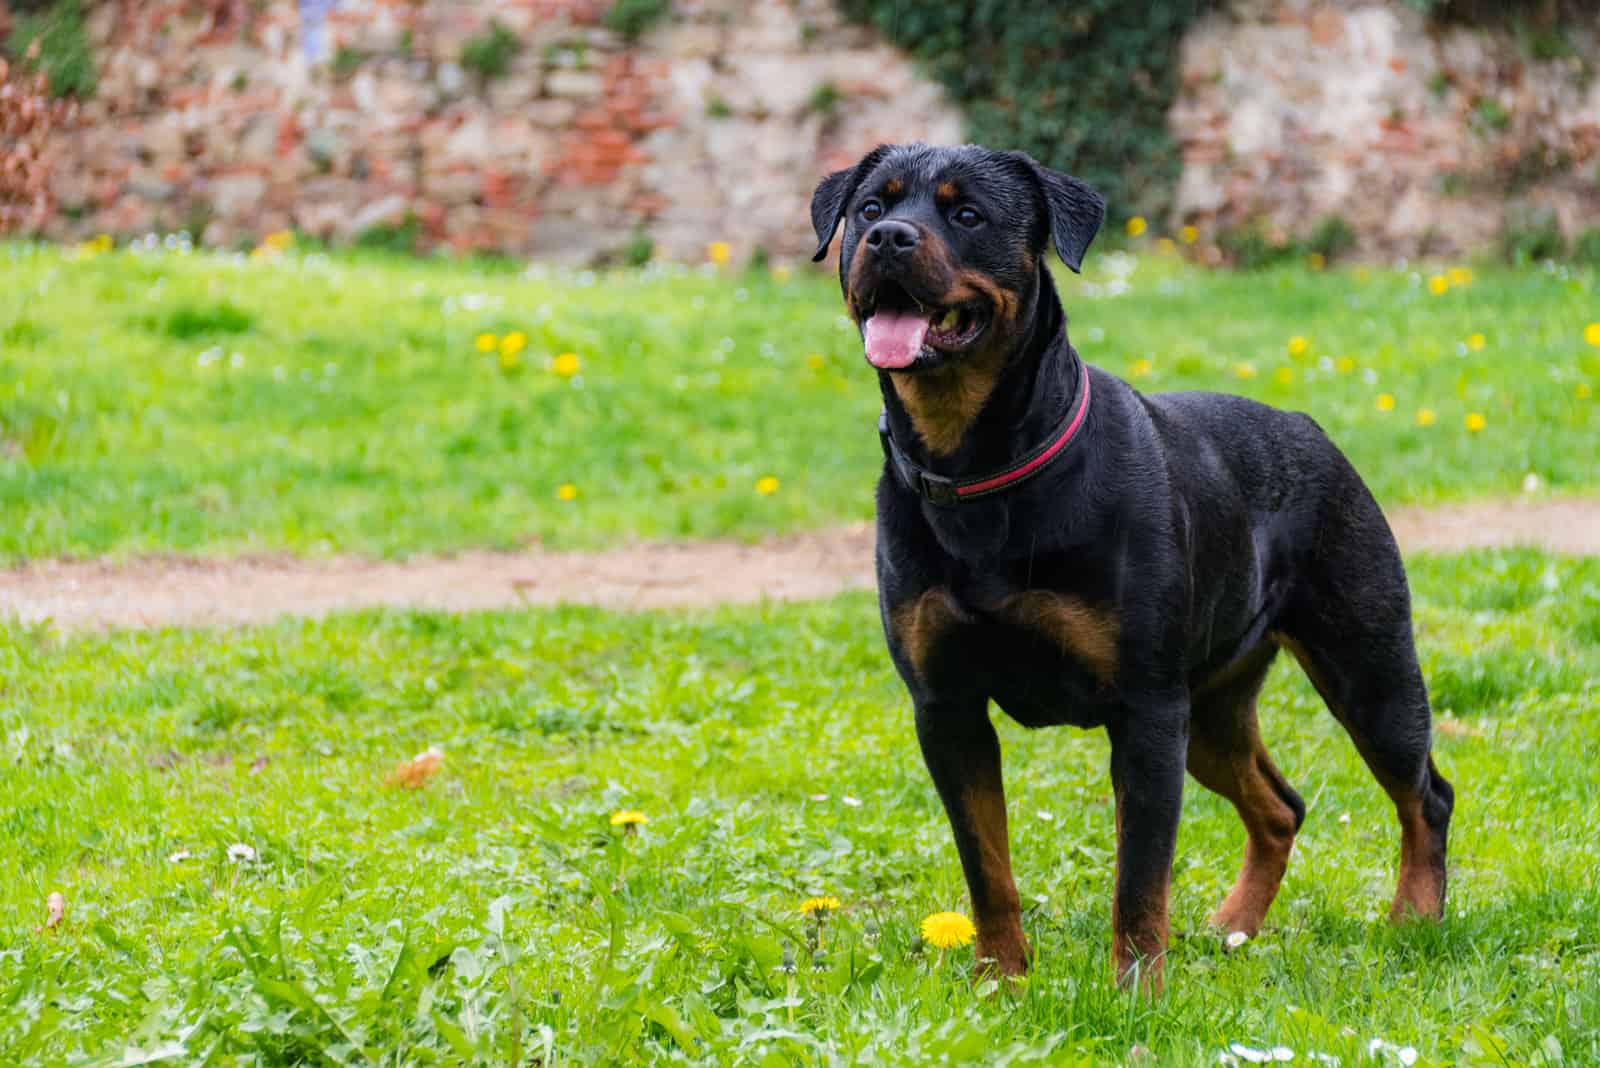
{"type": "Point", "coordinates": [1050, 539]}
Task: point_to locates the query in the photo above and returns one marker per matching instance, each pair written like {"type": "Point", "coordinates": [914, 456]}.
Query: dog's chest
{"type": "Point", "coordinates": [1044, 656]}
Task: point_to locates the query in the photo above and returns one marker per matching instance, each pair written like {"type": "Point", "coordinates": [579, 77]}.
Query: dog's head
{"type": "Point", "coordinates": [942, 247]}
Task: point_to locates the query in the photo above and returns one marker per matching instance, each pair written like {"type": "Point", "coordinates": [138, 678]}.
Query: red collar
{"type": "Point", "coordinates": [947, 492]}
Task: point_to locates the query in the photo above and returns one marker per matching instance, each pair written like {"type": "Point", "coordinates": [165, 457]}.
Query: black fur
{"type": "Point", "coordinates": [1210, 528]}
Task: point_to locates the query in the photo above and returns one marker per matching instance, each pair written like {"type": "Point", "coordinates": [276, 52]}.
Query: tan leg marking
{"type": "Point", "coordinates": [920, 622]}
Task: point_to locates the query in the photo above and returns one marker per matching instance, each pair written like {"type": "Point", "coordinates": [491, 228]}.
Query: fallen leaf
{"type": "Point", "coordinates": [413, 774]}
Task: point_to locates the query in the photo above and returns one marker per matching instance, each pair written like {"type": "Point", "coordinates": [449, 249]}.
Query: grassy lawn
{"type": "Point", "coordinates": [161, 401]}
{"type": "Point", "coordinates": [492, 914]}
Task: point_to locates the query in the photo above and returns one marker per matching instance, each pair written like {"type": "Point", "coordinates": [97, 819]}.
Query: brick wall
{"type": "Point", "coordinates": [221, 117]}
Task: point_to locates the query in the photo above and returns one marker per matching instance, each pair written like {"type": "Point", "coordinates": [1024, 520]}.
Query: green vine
{"type": "Point", "coordinates": [1082, 87]}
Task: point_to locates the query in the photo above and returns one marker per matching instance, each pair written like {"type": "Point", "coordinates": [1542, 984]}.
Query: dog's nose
{"type": "Point", "coordinates": [893, 237]}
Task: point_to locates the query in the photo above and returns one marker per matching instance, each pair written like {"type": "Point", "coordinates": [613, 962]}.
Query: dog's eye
{"type": "Point", "coordinates": [871, 211]}
{"type": "Point", "coordinates": [967, 216]}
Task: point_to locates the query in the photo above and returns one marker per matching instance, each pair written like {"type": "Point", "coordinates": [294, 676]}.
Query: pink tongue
{"type": "Point", "coordinates": [894, 338]}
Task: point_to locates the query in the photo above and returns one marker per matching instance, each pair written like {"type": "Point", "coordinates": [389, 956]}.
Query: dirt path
{"type": "Point", "coordinates": [164, 591]}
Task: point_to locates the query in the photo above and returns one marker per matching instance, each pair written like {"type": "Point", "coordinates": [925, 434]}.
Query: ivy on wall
{"type": "Point", "coordinates": [1082, 87]}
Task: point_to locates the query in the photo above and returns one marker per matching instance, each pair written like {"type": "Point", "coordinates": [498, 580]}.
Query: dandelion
{"type": "Point", "coordinates": [1284, 376]}
{"type": "Point", "coordinates": [816, 361]}
{"type": "Point", "coordinates": [1386, 402]}
{"type": "Point", "coordinates": [1426, 417]}
{"type": "Point", "coordinates": [1345, 364]}
{"type": "Point", "coordinates": [1141, 369]}
{"type": "Point", "coordinates": [1165, 246]}
{"type": "Point", "coordinates": [781, 273]}
{"type": "Point", "coordinates": [628, 819]}
{"type": "Point", "coordinates": [566, 492]}
{"type": "Point", "coordinates": [819, 906]}
{"type": "Point", "coordinates": [1136, 226]}
{"type": "Point", "coordinates": [946, 930]}
{"type": "Point", "coordinates": [1591, 334]}
{"type": "Point", "coordinates": [766, 485]}
{"type": "Point", "coordinates": [1459, 276]}
{"type": "Point", "coordinates": [513, 343]}
{"type": "Point", "coordinates": [1582, 391]}
{"type": "Point", "coordinates": [1245, 370]}
{"type": "Point", "coordinates": [566, 365]}
{"type": "Point", "coordinates": [1438, 285]}
{"type": "Point", "coordinates": [1188, 235]}
{"type": "Point", "coordinates": [279, 240]}
{"type": "Point", "coordinates": [1316, 261]}
{"type": "Point", "coordinates": [487, 342]}
{"type": "Point", "coordinates": [719, 252]}
{"type": "Point", "coordinates": [1476, 422]}
{"type": "Point", "coordinates": [240, 853]}
{"type": "Point", "coordinates": [1298, 345]}
{"type": "Point", "coordinates": [1476, 342]}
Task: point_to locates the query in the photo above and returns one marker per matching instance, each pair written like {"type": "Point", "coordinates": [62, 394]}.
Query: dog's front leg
{"type": "Point", "coordinates": [1148, 744]}
{"type": "Point", "coordinates": [963, 755]}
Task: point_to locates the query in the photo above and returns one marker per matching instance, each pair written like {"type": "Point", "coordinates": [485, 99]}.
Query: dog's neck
{"type": "Point", "coordinates": [978, 416]}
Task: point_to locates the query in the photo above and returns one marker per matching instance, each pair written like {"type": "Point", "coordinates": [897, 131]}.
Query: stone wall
{"type": "Point", "coordinates": [1426, 139]}
{"type": "Point", "coordinates": [225, 118]}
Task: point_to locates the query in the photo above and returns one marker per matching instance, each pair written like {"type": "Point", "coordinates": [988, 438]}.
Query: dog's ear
{"type": "Point", "coordinates": [833, 193]}
{"type": "Point", "coordinates": [1075, 209]}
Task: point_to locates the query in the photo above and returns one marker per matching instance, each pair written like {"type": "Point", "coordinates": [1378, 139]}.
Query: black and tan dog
{"type": "Point", "coordinates": [1080, 553]}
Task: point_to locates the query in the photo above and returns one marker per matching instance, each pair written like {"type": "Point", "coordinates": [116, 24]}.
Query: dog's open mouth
{"type": "Point", "coordinates": [899, 330]}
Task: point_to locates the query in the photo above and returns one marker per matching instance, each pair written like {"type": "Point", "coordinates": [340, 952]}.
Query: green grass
{"type": "Point", "coordinates": [157, 401]}
{"type": "Point", "coordinates": [493, 915]}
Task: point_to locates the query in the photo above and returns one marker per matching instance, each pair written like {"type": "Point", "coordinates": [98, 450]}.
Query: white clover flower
{"type": "Point", "coordinates": [180, 856]}
{"type": "Point", "coordinates": [1236, 939]}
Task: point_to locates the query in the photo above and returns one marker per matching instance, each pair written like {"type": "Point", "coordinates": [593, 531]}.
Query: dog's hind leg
{"type": "Point", "coordinates": [1349, 625]}
{"type": "Point", "coordinates": [1226, 756]}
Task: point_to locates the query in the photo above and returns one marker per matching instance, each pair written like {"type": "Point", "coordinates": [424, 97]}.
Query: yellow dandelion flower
{"type": "Point", "coordinates": [487, 342]}
{"type": "Point", "coordinates": [816, 361]}
{"type": "Point", "coordinates": [1245, 370]}
{"type": "Point", "coordinates": [1438, 285]}
{"type": "Point", "coordinates": [1582, 391]}
{"type": "Point", "coordinates": [1386, 402]}
{"type": "Point", "coordinates": [513, 343]}
{"type": "Point", "coordinates": [566, 365]}
{"type": "Point", "coordinates": [628, 818]}
{"type": "Point", "coordinates": [1345, 364]}
{"type": "Point", "coordinates": [719, 252]}
{"type": "Point", "coordinates": [1284, 376]}
{"type": "Point", "coordinates": [819, 906]}
{"type": "Point", "coordinates": [1591, 334]}
{"type": "Point", "coordinates": [1476, 342]}
{"type": "Point", "coordinates": [1136, 226]}
{"type": "Point", "coordinates": [1166, 246]}
{"type": "Point", "coordinates": [1459, 276]}
{"type": "Point", "coordinates": [781, 273]}
{"type": "Point", "coordinates": [766, 485]}
{"type": "Point", "coordinates": [568, 492]}
{"type": "Point", "coordinates": [946, 930]}
{"type": "Point", "coordinates": [279, 240]}
{"type": "Point", "coordinates": [1141, 369]}
{"type": "Point", "coordinates": [1476, 422]}
{"type": "Point", "coordinates": [1188, 235]}
{"type": "Point", "coordinates": [1298, 345]}
{"type": "Point", "coordinates": [1426, 417]}
{"type": "Point", "coordinates": [1316, 261]}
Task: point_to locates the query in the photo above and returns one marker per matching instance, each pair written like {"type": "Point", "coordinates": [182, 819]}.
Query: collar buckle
{"type": "Point", "coordinates": [938, 490]}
